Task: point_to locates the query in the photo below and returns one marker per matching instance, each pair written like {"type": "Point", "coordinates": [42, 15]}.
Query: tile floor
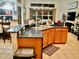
{"type": "Point", "coordinates": [70, 50]}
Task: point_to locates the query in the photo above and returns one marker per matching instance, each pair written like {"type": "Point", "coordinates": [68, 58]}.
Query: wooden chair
{"type": "Point", "coordinates": [1, 34]}
{"type": "Point", "coordinates": [5, 27]}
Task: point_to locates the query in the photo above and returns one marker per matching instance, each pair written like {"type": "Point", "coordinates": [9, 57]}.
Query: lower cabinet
{"type": "Point", "coordinates": [45, 38]}
{"type": "Point", "coordinates": [64, 36]}
{"type": "Point", "coordinates": [57, 35]}
{"type": "Point", "coordinates": [48, 37]}
{"type": "Point", "coordinates": [35, 43]}
{"type": "Point", "coordinates": [60, 35]}
{"type": "Point", "coordinates": [51, 36]}
{"type": "Point", "coordinates": [54, 35]}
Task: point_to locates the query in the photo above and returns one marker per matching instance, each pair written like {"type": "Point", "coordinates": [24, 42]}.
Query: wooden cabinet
{"type": "Point", "coordinates": [64, 35]}
{"type": "Point", "coordinates": [57, 35]}
{"type": "Point", "coordinates": [51, 36]}
{"type": "Point", "coordinates": [48, 37]}
{"type": "Point", "coordinates": [60, 35]}
{"type": "Point", "coordinates": [35, 43]}
{"type": "Point", "coordinates": [54, 35]}
{"type": "Point", "coordinates": [45, 38]}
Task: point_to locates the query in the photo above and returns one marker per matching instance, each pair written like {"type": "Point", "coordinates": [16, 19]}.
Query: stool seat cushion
{"type": "Point", "coordinates": [25, 52]}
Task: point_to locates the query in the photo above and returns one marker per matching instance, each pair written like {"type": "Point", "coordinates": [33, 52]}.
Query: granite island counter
{"type": "Point", "coordinates": [49, 34]}
{"type": "Point", "coordinates": [31, 38]}
{"type": "Point", "coordinates": [53, 34]}
{"type": "Point", "coordinates": [41, 37]}
{"type": "Point", "coordinates": [32, 33]}
{"type": "Point", "coordinates": [14, 34]}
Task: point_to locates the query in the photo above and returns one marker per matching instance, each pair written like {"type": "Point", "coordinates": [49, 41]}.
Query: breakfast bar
{"type": "Point", "coordinates": [31, 38]}
{"type": "Point", "coordinates": [39, 37]}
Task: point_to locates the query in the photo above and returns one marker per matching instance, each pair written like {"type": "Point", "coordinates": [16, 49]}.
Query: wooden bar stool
{"type": "Point", "coordinates": [24, 53]}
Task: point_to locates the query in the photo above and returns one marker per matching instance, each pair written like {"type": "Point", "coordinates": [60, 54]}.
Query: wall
{"type": "Point", "coordinates": [65, 6]}
{"type": "Point", "coordinates": [56, 2]}
{"type": "Point", "coordinates": [61, 7]}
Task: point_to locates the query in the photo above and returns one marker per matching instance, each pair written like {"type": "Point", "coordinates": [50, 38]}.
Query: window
{"type": "Point", "coordinates": [40, 5]}
{"type": "Point", "coordinates": [45, 5]}
{"type": "Point", "coordinates": [51, 5]}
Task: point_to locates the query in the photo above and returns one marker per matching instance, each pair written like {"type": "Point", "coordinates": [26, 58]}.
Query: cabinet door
{"type": "Point", "coordinates": [51, 36]}
{"type": "Point", "coordinates": [58, 35]}
{"type": "Point", "coordinates": [45, 38]}
{"type": "Point", "coordinates": [64, 35]}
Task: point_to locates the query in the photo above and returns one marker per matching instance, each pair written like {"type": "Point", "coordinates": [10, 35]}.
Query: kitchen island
{"type": "Point", "coordinates": [32, 38]}
{"type": "Point", "coordinates": [41, 37]}
{"type": "Point", "coordinates": [53, 34]}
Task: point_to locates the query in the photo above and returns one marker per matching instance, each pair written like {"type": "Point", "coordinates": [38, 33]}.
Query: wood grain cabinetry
{"type": "Point", "coordinates": [48, 37]}
{"type": "Point", "coordinates": [64, 35]}
{"type": "Point", "coordinates": [54, 35]}
{"type": "Point", "coordinates": [45, 38]}
{"type": "Point", "coordinates": [60, 35]}
{"type": "Point", "coordinates": [51, 36]}
{"type": "Point", "coordinates": [35, 43]}
{"type": "Point", "coordinates": [57, 35]}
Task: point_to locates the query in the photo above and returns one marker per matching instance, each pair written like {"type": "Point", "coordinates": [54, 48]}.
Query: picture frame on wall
{"type": "Point", "coordinates": [73, 5]}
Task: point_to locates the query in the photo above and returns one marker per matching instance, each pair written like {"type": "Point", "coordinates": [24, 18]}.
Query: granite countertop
{"type": "Point", "coordinates": [16, 28]}
{"type": "Point", "coordinates": [32, 33]}
{"type": "Point", "coordinates": [48, 27]}
{"type": "Point", "coordinates": [36, 31]}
